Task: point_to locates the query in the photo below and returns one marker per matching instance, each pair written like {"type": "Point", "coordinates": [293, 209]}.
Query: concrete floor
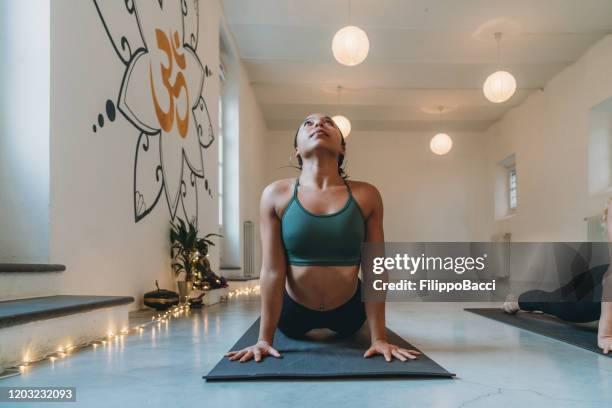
{"type": "Point", "coordinates": [496, 365]}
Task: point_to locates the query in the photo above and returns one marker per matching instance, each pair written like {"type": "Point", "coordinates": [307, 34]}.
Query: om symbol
{"type": "Point", "coordinates": [166, 118]}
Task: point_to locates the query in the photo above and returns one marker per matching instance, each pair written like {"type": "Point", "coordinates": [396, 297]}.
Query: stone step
{"type": "Point", "coordinates": [20, 311]}
{"type": "Point", "coordinates": [29, 267]}
{"type": "Point", "coordinates": [28, 280]}
{"type": "Point", "coordinates": [33, 328]}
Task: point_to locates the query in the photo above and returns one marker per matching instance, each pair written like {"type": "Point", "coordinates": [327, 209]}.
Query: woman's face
{"type": "Point", "coordinates": [318, 131]}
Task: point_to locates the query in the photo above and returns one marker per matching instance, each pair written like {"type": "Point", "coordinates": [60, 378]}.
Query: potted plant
{"type": "Point", "coordinates": [189, 256]}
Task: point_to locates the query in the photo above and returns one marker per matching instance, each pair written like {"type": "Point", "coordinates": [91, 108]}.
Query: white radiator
{"type": "Point", "coordinates": [249, 248]}
{"type": "Point", "coordinates": [503, 246]}
{"type": "Point", "coordinates": [596, 231]}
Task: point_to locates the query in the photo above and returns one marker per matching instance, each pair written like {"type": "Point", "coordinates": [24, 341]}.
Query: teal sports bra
{"type": "Point", "coordinates": [323, 239]}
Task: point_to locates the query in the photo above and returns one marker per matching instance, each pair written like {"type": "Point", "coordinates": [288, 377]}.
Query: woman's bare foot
{"type": "Point", "coordinates": [511, 305]}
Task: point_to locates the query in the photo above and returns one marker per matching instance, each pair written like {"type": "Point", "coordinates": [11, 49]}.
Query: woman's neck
{"type": "Point", "coordinates": [320, 172]}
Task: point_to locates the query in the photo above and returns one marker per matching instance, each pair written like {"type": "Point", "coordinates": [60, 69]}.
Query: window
{"type": "Point", "coordinates": [600, 148]}
{"type": "Point", "coordinates": [506, 188]}
{"type": "Point", "coordinates": [512, 202]}
{"type": "Point", "coordinates": [228, 136]}
{"type": "Point", "coordinates": [25, 80]}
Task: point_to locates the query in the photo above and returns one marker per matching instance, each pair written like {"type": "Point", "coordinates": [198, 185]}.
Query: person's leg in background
{"type": "Point", "coordinates": [579, 301]}
{"type": "Point", "coordinates": [581, 311]}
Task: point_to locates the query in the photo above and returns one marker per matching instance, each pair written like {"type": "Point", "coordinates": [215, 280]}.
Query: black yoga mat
{"type": "Point", "coordinates": [322, 355]}
{"type": "Point", "coordinates": [546, 325]}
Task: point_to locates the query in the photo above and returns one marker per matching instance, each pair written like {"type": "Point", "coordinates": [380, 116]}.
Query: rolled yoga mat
{"type": "Point", "coordinates": [546, 325]}
{"type": "Point", "coordinates": [323, 355]}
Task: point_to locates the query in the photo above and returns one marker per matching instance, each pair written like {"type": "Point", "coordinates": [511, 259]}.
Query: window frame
{"type": "Point", "coordinates": [512, 189]}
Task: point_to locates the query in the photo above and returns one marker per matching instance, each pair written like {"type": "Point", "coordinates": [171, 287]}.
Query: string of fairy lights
{"type": "Point", "coordinates": [252, 290]}
{"type": "Point", "coordinates": [64, 351]}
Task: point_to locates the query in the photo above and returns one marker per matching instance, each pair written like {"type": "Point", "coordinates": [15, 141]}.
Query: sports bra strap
{"type": "Point", "coordinates": [297, 182]}
{"type": "Point", "coordinates": [348, 188]}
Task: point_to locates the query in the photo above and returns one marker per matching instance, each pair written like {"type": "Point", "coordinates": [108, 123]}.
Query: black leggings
{"type": "Point", "coordinates": [296, 320]}
{"type": "Point", "coordinates": [579, 301]}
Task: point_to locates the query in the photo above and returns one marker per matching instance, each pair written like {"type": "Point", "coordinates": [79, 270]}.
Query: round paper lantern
{"type": "Point", "coordinates": [441, 144]}
{"type": "Point", "coordinates": [499, 86]}
{"type": "Point", "coordinates": [350, 45]}
{"type": "Point", "coordinates": [343, 123]}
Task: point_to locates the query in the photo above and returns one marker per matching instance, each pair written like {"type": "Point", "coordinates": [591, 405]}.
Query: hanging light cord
{"type": "Point", "coordinates": [349, 12]}
{"type": "Point", "coordinates": [498, 36]}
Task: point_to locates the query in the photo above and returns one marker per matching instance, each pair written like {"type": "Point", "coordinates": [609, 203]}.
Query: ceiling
{"type": "Point", "coordinates": [423, 54]}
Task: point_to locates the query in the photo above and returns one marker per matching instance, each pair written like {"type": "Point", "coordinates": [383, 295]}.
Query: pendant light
{"type": "Point", "coordinates": [500, 85]}
{"type": "Point", "coordinates": [350, 44]}
{"type": "Point", "coordinates": [342, 121]}
{"type": "Point", "coordinates": [441, 143]}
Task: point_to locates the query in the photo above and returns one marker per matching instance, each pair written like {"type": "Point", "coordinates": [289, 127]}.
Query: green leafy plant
{"type": "Point", "coordinates": [188, 251]}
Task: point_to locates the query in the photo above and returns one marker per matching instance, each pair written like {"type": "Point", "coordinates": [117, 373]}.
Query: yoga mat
{"type": "Point", "coordinates": [546, 325]}
{"type": "Point", "coordinates": [323, 355]}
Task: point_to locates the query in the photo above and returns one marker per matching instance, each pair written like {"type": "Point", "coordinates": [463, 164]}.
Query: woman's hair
{"type": "Point", "coordinates": [340, 156]}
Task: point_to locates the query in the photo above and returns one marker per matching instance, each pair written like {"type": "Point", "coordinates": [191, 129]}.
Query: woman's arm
{"type": "Point", "coordinates": [375, 310]}
{"type": "Point", "coordinates": [271, 279]}
{"type": "Point", "coordinates": [604, 334]}
{"type": "Point", "coordinates": [273, 269]}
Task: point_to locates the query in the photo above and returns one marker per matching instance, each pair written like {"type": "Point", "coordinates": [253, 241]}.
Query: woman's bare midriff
{"type": "Point", "coordinates": [321, 287]}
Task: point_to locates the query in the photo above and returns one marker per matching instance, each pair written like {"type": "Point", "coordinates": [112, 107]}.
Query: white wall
{"type": "Point", "coordinates": [93, 230]}
{"type": "Point", "coordinates": [230, 247]}
{"type": "Point", "coordinates": [426, 197]}
{"type": "Point", "coordinates": [253, 136]}
{"type": "Point", "coordinates": [549, 134]}
{"type": "Point", "coordinates": [244, 141]}
{"type": "Point", "coordinates": [244, 178]}
{"type": "Point", "coordinates": [24, 131]}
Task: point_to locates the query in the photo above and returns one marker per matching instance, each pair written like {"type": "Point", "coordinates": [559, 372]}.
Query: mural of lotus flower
{"type": "Point", "coordinates": [161, 96]}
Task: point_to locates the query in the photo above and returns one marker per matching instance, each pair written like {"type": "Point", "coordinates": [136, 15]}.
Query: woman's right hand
{"type": "Point", "coordinates": [260, 349]}
{"type": "Point", "coordinates": [605, 343]}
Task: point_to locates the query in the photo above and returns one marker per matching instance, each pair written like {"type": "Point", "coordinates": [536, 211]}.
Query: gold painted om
{"type": "Point", "coordinates": [166, 118]}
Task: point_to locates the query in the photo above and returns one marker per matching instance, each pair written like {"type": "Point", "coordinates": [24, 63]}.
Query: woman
{"type": "Point", "coordinates": [312, 228]}
{"type": "Point", "coordinates": [585, 300]}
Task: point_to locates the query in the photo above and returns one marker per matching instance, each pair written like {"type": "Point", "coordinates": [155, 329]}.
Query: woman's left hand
{"type": "Point", "coordinates": [389, 351]}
